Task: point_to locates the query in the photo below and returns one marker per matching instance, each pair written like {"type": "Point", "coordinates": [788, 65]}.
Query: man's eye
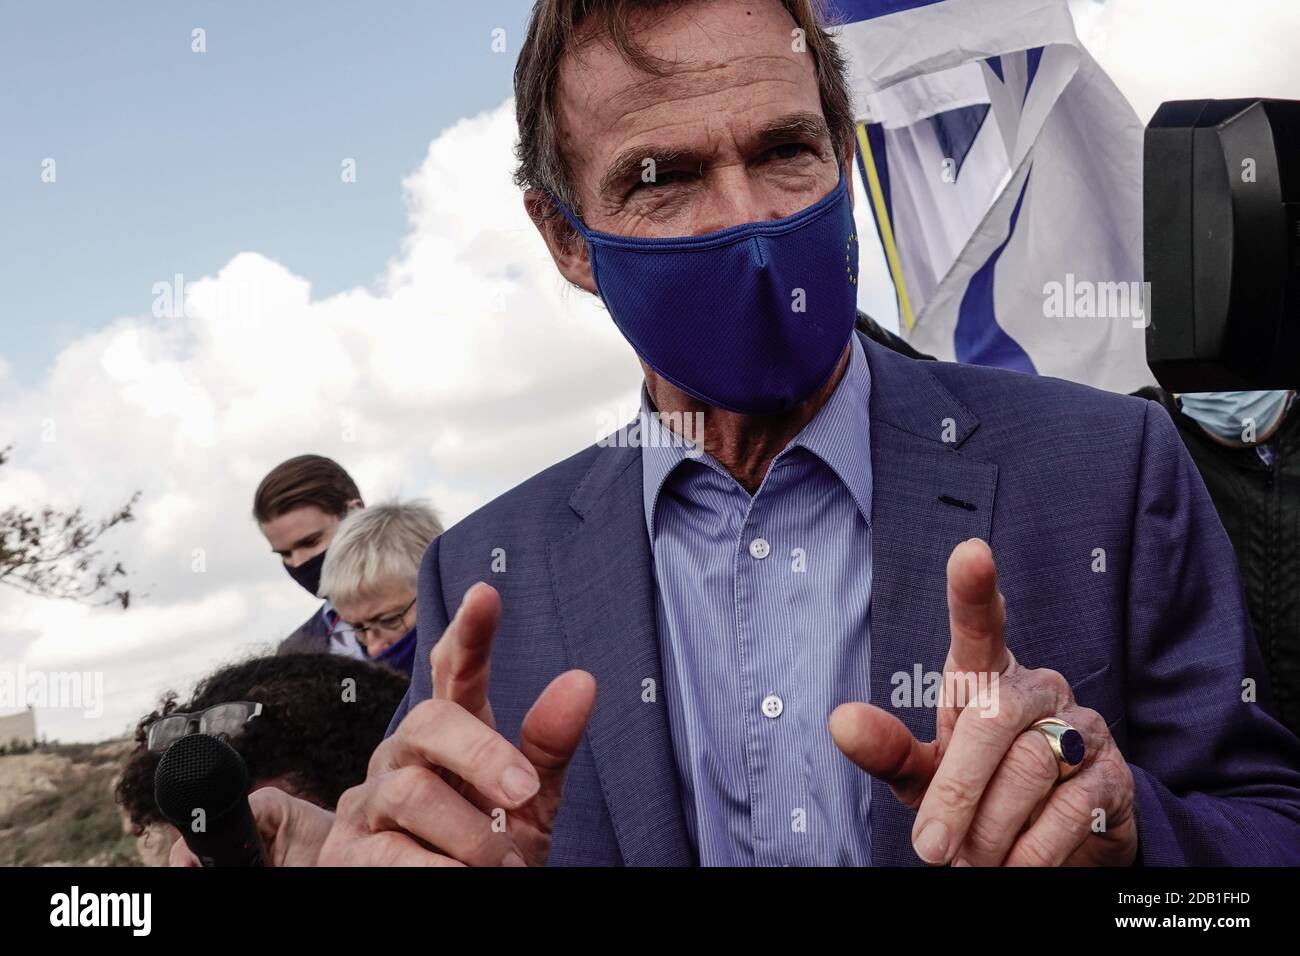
{"type": "Point", "coordinates": [664, 177]}
{"type": "Point", "coordinates": [788, 151]}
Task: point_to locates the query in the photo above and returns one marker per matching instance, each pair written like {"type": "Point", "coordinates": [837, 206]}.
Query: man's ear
{"type": "Point", "coordinates": [567, 248]}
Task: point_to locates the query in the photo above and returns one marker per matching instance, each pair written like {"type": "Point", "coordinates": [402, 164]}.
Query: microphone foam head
{"type": "Point", "coordinates": [199, 771]}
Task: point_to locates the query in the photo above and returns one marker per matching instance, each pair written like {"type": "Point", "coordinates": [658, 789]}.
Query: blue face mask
{"type": "Point", "coordinates": [400, 656]}
{"type": "Point", "coordinates": [1228, 414]}
{"type": "Point", "coordinates": [752, 318]}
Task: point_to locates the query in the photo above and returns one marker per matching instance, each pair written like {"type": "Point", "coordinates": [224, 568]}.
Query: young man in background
{"type": "Point", "coordinates": [298, 507]}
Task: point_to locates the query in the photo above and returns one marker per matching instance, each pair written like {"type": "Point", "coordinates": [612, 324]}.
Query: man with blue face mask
{"type": "Point", "coordinates": [1245, 446]}
{"type": "Point", "coordinates": [785, 641]}
{"type": "Point", "coordinates": [1238, 419]}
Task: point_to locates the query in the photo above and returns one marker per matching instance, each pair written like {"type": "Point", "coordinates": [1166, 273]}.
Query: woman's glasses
{"type": "Point", "coordinates": [228, 719]}
{"type": "Point", "coordinates": [389, 624]}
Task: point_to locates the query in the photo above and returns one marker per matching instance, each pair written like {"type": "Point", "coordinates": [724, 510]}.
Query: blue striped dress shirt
{"type": "Point", "coordinates": [763, 609]}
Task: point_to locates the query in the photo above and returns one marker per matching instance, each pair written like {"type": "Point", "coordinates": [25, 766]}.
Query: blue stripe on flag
{"type": "Point", "coordinates": [1032, 59]}
{"type": "Point", "coordinates": [995, 64]}
{"type": "Point", "coordinates": [876, 137]}
{"type": "Point", "coordinates": [855, 11]}
{"type": "Point", "coordinates": [978, 339]}
{"type": "Point", "coordinates": [956, 131]}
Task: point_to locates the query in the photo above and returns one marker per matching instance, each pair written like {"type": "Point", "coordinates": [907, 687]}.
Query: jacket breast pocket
{"type": "Point", "coordinates": [1097, 691]}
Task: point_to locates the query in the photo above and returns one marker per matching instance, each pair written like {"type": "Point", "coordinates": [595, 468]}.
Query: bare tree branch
{"type": "Point", "coordinates": [55, 554]}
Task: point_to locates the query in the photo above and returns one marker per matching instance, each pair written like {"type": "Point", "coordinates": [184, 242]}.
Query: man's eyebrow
{"type": "Point", "coordinates": [807, 125]}
{"type": "Point", "coordinates": [631, 162]}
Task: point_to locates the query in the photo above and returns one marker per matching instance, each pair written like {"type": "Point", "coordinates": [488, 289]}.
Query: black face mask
{"type": "Point", "coordinates": [308, 573]}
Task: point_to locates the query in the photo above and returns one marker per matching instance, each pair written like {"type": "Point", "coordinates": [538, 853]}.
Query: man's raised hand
{"type": "Point", "coordinates": [446, 789]}
{"type": "Point", "coordinates": [986, 789]}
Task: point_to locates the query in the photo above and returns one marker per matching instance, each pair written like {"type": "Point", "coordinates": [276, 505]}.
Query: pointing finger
{"type": "Point", "coordinates": [461, 659]}
{"type": "Point", "coordinates": [976, 611]}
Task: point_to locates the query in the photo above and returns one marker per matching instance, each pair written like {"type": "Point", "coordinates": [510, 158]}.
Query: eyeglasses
{"type": "Point", "coordinates": [389, 622]}
{"type": "Point", "coordinates": [228, 719]}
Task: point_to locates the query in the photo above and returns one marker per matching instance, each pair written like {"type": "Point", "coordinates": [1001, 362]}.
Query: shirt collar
{"type": "Point", "coordinates": [662, 450]}
{"type": "Point", "coordinates": [839, 434]}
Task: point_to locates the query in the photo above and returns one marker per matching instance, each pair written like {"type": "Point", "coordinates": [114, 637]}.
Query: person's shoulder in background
{"type": "Point", "coordinates": [312, 636]}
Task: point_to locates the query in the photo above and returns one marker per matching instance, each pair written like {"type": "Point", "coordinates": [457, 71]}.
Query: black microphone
{"type": "Point", "coordinates": [201, 787]}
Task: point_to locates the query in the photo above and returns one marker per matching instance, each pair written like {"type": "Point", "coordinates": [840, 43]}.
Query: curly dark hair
{"type": "Point", "coordinates": [308, 736]}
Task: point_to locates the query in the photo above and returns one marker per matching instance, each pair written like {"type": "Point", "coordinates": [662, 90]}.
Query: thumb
{"type": "Point", "coordinates": [881, 744]}
{"type": "Point", "coordinates": [293, 830]}
{"type": "Point", "coordinates": [550, 734]}
{"type": "Point", "coordinates": [271, 811]}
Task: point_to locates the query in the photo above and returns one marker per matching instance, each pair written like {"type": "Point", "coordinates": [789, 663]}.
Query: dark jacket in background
{"type": "Point", "coordinates": [311, 637]}
{"type": "Point", "coordinates": [1259, 506]}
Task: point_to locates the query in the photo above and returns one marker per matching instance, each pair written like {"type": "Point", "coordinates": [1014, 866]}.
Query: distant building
{"type": "Point", "coordinates": [19, 728]}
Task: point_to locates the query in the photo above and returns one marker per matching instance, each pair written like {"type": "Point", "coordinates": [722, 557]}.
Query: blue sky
{"type": "Point", "coordinates": [170, 161]}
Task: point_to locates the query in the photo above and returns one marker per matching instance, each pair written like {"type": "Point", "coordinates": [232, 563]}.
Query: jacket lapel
{"type": "Point", "coordinates": [917, 430]}
{"type": "Point", "coordinates": [603, 580]}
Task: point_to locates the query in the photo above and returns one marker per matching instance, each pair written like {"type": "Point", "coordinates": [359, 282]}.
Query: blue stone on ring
{"type": "Point", "coordinates": [1072, 748]}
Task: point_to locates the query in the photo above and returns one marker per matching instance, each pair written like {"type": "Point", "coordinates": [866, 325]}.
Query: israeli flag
{"type": "Point", "coordinates": [1003, 170]}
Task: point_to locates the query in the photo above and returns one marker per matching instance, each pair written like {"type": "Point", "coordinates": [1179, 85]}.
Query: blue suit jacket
{"type": "Point", "coordinates": [1158, 642]}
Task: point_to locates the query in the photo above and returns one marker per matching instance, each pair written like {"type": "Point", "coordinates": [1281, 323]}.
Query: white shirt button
{"type": "Point", "coordinates": [772, 706]}
{"type": "Point", "coordinates": [759, 548]}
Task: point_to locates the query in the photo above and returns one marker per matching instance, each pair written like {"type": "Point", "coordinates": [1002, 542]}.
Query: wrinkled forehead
{"type": "Point", "coordinates": [727, 65]}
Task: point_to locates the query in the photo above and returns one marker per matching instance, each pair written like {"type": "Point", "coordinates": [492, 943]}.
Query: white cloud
{"type": "Point", "coordinates": [468, 368]}
{"type": "Point", "coordinates": [1158, 50]}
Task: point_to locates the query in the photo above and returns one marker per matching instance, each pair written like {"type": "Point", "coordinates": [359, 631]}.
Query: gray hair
{"type": "Point", "coordinates": [376, 547]}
